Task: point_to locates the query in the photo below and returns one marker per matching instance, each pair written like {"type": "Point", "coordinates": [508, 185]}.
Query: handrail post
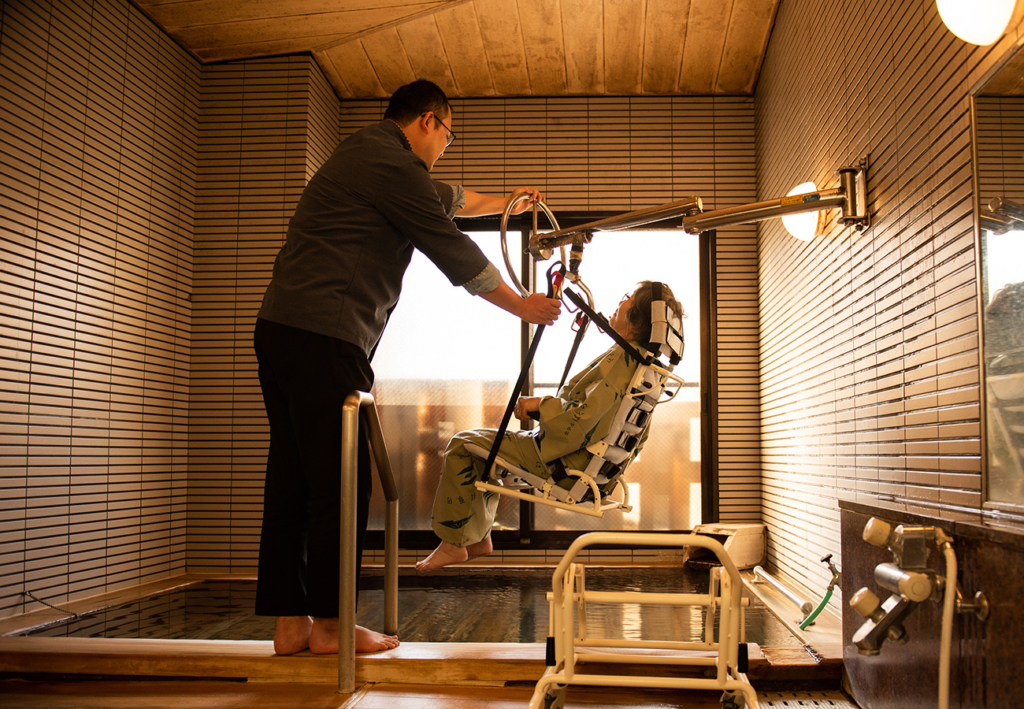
{"type": "Point", "coordinates": [387, 483]}
{"type": "Point", "coordinates": [347, 571]}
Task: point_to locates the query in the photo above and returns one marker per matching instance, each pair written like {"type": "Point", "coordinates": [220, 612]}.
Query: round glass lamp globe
{"type": "Point", "coordinates": [979, 22]}
{"type": "Point", "coordinates": [803, 226]}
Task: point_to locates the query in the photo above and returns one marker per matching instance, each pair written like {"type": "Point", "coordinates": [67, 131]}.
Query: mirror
{"type": "Point", "coordinates": [999, 140]}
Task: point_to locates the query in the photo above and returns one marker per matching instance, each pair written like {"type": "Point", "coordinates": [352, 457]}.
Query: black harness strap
{"type": "Point", "coordinates": [527, 361]}
{"type": "Point", "coordinates": [602, 322]}
{"type": "Point", "coordinates": [583, 322]}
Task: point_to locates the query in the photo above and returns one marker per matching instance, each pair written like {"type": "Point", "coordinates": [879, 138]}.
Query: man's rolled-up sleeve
{"type": "Point", "coordinates": [488, 280]}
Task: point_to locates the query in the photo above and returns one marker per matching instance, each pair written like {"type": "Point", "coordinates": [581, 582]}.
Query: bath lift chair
{"type": "Point", "coordinates": [591, 492]}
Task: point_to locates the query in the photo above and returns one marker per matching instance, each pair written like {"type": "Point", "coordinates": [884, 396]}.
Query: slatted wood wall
{"type": "Point", "coordinates": [148, 197]}
{"type": "Point", "coordinates": [869, 341]}
{"type": "Point", "coordinates": [98, 162]}
{"type": "Point", "coordinates": [265, 126]}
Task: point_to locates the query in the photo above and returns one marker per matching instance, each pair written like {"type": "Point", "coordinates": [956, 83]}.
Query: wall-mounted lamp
{"type": "Point", "coordinates": [806, 225]}
{"type": "Point", "coordinates": [976, 21]}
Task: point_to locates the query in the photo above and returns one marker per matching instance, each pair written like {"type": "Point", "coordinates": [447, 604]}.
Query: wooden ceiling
{"type": "Point", "coordinates": [473, 48]}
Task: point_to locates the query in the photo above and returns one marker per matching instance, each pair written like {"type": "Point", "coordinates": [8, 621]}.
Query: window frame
{"type": "Point", "coordinates": [525, 537]}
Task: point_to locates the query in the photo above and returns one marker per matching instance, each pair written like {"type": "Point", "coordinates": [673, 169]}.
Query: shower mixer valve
{"type": "Point", "coordinates": [910, 581]}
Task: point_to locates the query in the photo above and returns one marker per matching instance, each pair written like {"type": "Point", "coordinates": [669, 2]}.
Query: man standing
{"type": "Point", "coordinates": [335, 282]}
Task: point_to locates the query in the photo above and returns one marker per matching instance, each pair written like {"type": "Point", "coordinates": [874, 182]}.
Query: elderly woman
{"type": "Point", "coordinates": [582, 412]}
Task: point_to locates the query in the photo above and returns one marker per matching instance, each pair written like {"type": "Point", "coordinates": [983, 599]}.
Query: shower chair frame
{"type": "Point", "coordinates": [566, 648]}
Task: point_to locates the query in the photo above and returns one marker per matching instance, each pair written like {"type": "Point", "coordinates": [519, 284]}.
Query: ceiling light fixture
{"type": "Point", "coordinates": [979, 22]}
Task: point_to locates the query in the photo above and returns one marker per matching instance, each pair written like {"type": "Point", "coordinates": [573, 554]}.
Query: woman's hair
{"type": "Point", "coordinates": [639, 313]}
{"type": "Point", "coordinates": [413, 100]}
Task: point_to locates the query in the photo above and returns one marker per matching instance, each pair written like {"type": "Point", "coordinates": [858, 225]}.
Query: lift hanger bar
{"type": "Point", "coordinates": [850, 197]}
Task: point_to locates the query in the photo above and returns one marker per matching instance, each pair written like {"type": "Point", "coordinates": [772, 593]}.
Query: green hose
{"type": "Point", "coordinates": [814, 614]}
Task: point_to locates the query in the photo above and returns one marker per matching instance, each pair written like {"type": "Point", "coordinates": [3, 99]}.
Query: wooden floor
{"type": "Point", "coordinates": [15, 694]}
{"type": "Point", "coordinates": [61, 673]}
{"type": "Point", "coordinates": [255, 661]}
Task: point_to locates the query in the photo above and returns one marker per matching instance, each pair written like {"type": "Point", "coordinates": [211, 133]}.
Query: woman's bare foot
{"type": "Point", "coordinates": [481, 548]}
{"type": "Point", "coordinates": [323, 640]}
{"type": "Point", "coordinates": [450, 554]}
{"type": "Point", "coordinates": [442, 556]}
{"type": "Point", "coordinates": [292, 634]}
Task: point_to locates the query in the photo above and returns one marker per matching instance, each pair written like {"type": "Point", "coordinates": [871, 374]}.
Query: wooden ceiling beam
{"type": "Point", "coordinates": [503, 41]}
{"type": "Point", "coordinates": [583, 34]}
{"type": "Point", "coordinates": [664, 39]}
{"type": "Point", "coordinates": [705, 38]}
{"type": "Point", "coordinates": [624, 45]}
{"type": "Point", "coordinates": [463, 45]}
{"type": "Point", "coordinates": [545, 51]}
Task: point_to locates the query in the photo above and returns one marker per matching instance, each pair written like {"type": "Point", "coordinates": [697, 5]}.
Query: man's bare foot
{"type": "Point", "coordinates": [323, 640]}
{"type": "Point", "coordinates": [371, 641]}
{"type": "Point", "coordinates": [481, 548]}
{"type": "Point", "coordinates": [292, 634]}
{"type": "Point", "coordinates": [442, 556]}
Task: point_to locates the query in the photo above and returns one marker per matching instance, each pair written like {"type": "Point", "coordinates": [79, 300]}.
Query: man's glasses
{"type": "Point", "coordinates": [451, 133]}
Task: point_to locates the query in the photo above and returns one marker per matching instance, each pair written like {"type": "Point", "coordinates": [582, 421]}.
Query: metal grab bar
{"type": "Point", "coordinates": [348, 573]}
{"type": "Point", "coordinates": [803, 604]}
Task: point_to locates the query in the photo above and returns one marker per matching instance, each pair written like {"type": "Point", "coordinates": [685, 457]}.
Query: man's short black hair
{"type": "Point", "coordinates": [413, 100]}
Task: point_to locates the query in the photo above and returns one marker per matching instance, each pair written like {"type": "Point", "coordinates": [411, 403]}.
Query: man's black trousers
{"type": "Point", "coordinates": [305, 378]}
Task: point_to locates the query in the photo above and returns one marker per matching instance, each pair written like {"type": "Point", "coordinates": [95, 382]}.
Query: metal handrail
{"type": "Point", "coordinates": [348, 573]}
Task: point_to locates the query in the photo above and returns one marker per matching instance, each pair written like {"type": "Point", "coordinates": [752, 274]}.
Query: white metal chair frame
{"type": "Point", "coordinates": [569, 592]}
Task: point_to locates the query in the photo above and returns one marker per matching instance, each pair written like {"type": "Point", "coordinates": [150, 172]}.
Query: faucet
{"type": "Point", "coordinates": [909, 579]}
{"type": "Point", "coordinates": [836, 577]}
{"type": "Point", "coordinates": [912, 583]}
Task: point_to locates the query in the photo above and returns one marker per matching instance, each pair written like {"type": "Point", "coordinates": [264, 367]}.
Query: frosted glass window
{"type": "Point", "coordinates": [447, 362]}
{"type": "Point", "coordinates": [665, 480]}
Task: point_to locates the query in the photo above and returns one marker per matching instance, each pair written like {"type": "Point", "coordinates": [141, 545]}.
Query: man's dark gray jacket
{"type": "Point", "coordinates": [350, 240]}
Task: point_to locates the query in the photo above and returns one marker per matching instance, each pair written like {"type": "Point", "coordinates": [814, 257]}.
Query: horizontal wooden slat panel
{"type": "Point", "coordinates": [264, 128]}
{"type": "Point", "coordinates": [869, 341]}
{"type": "Point", "coordinates": [97, 144]}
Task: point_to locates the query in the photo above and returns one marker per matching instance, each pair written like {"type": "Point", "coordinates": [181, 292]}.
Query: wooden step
{"type": "Point", "coordinates": [424, 663]}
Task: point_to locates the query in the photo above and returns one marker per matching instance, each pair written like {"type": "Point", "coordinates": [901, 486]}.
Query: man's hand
{"type": "Point", "coordinates": [479, 205]}
{"type": "Point", "coordinates": [535, 196]}
{"type": "Point", "coordinates": [525, 406]}
{"type": "Point", "coordinates": [539, 309]}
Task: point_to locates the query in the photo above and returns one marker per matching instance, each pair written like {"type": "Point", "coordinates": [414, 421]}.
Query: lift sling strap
{"type": "Point", "coordinates": [602, 322]}
{"type": "Point", "coordinates": [582, 322]}
{"type": "Point", "coordinates": [554, 281]}
{"type": "Point", "coordinates": [554, 285]}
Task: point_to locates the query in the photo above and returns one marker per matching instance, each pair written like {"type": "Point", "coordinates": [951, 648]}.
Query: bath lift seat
{"type": "Point", "coordinates": [723, 656]}
{"type": "Point", "coordinates": [591, 492]}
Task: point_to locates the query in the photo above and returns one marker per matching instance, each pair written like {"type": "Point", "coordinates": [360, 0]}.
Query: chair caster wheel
{"type": "Point", "coordinates": [733, 700]}
{"type": "Point", "coordinates": [555, 698]}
